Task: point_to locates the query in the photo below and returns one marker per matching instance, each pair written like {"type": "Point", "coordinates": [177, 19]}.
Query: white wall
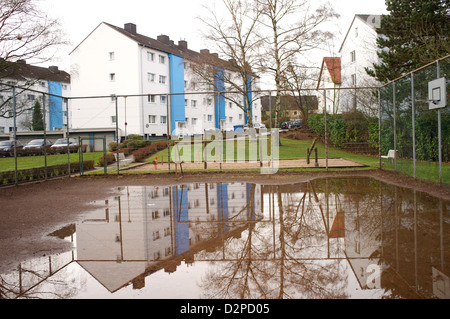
{"type": "Point", "coordinates": [91, 66]}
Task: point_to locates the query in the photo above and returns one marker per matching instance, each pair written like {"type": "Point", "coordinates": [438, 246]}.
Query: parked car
{"type": "Point", "coordinates": [286, 125]}
{"type": "Point", "coordinates": [60, 145]}
{"type": "Point", "coordinates": [37, 147]}
{"type": "Point", "coordinates": [259, 126]}
{"type": "Point", "coordinates": [7, 148]}
{"type": "Point", "coordinates": [296, 123]}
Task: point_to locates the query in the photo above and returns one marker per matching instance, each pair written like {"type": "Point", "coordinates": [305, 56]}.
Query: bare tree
{"type": "Point", "coordinates": [296, 80]}
{"type": "Point", "coordinates": [294, 30]}
{"type": "Point", "coordinates": [234, 34]}
{"type": "Point", "coordinates": [26, 33]}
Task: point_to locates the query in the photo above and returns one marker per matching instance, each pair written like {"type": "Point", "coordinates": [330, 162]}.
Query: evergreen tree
{"type": "Point", "coordinates": [38, 120]}
{"type": "Point", "coordinates": [416, 32]}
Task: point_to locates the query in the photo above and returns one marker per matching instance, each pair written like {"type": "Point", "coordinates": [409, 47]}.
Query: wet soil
{"type": "Point", "coordinates": [29, 212]}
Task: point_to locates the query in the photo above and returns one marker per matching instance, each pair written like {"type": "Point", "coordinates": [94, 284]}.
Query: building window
{"type": "Point", "coordinates": [113, 119]}
{"type": "Point", "coordinates": [353, 56]}
{"type": "Point", "coordinates": [150, 56]}
{"type": "Point", "coordinates": [112, 76]}
{"type": "Point", "coordinates": [194, 121]}
{"type": "Point", "coordinates": [194, 103]}
{"type": "Point", "coordinates": [151, 99]}
{"type": "Point", "coordinates": [163, 119]}
{"type": "Point", "coordinates": [151, 77]}
{"type": "Point", "coordinates": [230, 104]}
{"type": "Point", "coordinates": [152, 119]}
{"type": "Point", "coordinates": [230, 119]}
{"type": "Point", "coordinates": [162, 79]}
{"type": "Point", "coordinates": [209, 118]}
{"type": "Point", "coordinates": [240, 116]}
{"type": "Point", "coordinates": [162, 99]}
{"type": "Point", "coordinates": [30, 97]}
{"type": "Point", "coordinates": [111, 56]}
{"type": "Point", "coordinates": [354, 79]}
{"type": "Point", "coordinates": [186, 120]}
{"type": "Point", "coordinates": [162, 59]}
{"type": "Point", "coordinates": [186, 102]}
{"type": "Point", "coordinates": [356, 32]}
{"type": "Point", "coordinates": [2, 129]}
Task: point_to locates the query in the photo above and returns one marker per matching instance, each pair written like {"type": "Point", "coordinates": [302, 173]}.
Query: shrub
{"type": "Point", "coordinates": [135, 137]}
{"type": "Point", "coordinates": [142, 153]}
{"type": "Point", "coordinates": [110, 158]}
{"type": "Point", "coordinates": [112, 146]}
{"type": "Point", "coordinates": [39, 172]}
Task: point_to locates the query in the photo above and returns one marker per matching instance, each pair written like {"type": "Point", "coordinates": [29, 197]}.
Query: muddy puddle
{"type": "Point", "coordinates": [328, 238]}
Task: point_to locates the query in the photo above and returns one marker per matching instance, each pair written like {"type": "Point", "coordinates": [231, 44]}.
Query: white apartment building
{"type": "Point", "coordinates": [357, 52]}
{"type": "Point", "coordinates": [32, 83]}
{"type": "Point", "coordinates": [153, 82]}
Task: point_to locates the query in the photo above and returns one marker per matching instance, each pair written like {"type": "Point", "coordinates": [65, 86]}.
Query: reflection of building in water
{"type": "Point", "coordinates": [149, 227]}
{"type": "Point", "coordinates": [346, 236]}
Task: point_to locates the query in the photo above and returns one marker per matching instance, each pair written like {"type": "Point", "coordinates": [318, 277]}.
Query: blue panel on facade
{"type": "Point", "coordinates": [177, 86]}
{"type": "Point", "coordinates": [222, 192]}
{"type": "Point", "coordinates": [219, 84]}
{"type": "Point", "coordinates": [180, 203]}
{"type": "Point", "coordinates": [55, 105]}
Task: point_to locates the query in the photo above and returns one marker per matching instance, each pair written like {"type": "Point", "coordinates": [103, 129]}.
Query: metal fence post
{"type": "Point", "coordinates": [169, 134]}
{"type": "Point", "coordinates": [45, 133]}
{"type": "Point", "coordinates": [439, 129]}
{"type": "Point", "coordinates": [68, 135]}
{"type": "Point", "coordinates": [105, 161]}
{"type": "Point", "coordinates": [15, 135]}
{"type": "Point", "coordinates": [379, 128]}
{"type": "Point", "coordinates": [117, 136]}
{"type": "Point", "coordinates": [325, 119]}
{"type": "Point", "coordinates": [395, 126]}
{"type": "Point", "coordinates": [413, 110]}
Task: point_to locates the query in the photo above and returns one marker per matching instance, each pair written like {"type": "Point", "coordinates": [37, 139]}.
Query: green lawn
{"type": "Point", "coordinates": [296, 149]}
{"type": "Point", "coordinates": [26, 162]}
{"type": "Point", "coordinates": [289, 149]}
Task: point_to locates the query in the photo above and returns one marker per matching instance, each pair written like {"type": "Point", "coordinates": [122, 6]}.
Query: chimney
{"type": "Point", "coordinates": [216, 55]}
{"type": "Point", "coordinates": [130, 27]}
{"type": "Point", "coordinates": [164, 39]}
{"type": "Point", "coordinates": [183, 44]}
{"type": "Point", "coordinates": [53, 69]}
{"type": "Point", "coordinates": [204, 51]}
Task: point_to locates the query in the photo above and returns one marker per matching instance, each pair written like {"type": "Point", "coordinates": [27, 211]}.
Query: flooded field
{"type": "Point", "coordinates": [327, 238]}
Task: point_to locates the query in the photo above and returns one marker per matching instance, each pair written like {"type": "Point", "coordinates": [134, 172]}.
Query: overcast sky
{"type": "Point", "coordinates": [176, 18]}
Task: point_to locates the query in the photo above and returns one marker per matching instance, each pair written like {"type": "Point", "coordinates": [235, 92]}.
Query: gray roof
{"type": "Point", "coordinates": [21, 71]}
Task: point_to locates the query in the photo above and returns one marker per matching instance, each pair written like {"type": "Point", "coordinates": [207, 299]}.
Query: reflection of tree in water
{"type": "Point", "coordinates": [275, 260]}
{"type": "Point", "coordinates": [40, 279]}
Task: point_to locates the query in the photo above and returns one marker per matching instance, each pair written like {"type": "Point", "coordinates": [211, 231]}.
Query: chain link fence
{"type": "Point", "coordinates": [414, 139]}
{"type": "Point", "coordinates": [391, 123]}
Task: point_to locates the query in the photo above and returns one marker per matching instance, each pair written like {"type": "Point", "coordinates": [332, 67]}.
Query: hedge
{"type": "Point", "coordinates": [39, 172]}
{"type": "Point", "coordinates": [141, 154]}
{"type": "Point", "coordinates": [345, 128]}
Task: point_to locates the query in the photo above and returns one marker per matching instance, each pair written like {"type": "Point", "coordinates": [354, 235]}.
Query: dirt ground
{"type": "Point", "coordinates": [29, 212]}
